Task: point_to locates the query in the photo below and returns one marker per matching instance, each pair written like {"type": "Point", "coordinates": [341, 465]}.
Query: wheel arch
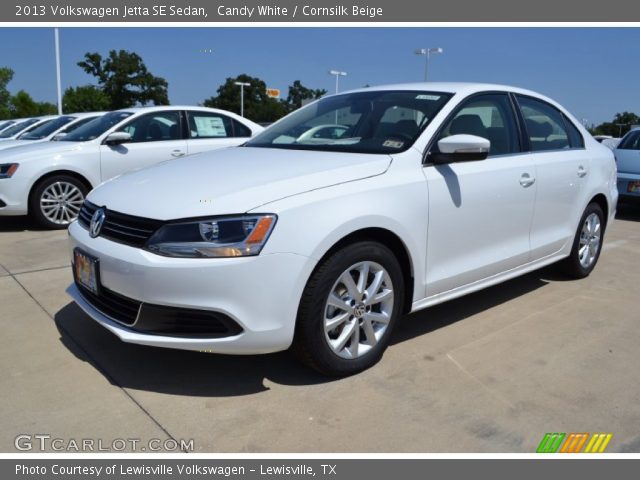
{"type": "Point", "coordinates": [55, 173]}
{"type": "Point", "coordinates": [390, 240]}
{"type": "Point", "coordinates": [601, 200]}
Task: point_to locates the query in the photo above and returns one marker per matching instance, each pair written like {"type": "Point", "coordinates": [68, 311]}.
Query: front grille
{"type": "Point", "coordinates": [119, 227]}
{"type": "Point", "coordinates": [120, 308]}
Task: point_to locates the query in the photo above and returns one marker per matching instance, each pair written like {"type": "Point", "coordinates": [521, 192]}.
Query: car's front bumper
{"type": "Point", "coordinates": [14, 196]}
{"type": "Point", "coordinates": [623, 184]}
{"type": "Point", "coordinates": [261, 293]}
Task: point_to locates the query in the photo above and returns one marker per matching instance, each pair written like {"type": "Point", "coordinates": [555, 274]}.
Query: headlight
{"type": "Point", "coordinates": [8, 169]}
{"type": "Point", "coordinates": [239, 236]}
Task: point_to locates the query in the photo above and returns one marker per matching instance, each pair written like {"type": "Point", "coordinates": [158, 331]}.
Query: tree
{"type": "Point", "coordinates": [619, 126]}
{"type": "Point", "coordinates": [257, 105]}
{"type": "Point", "coordinates": [21, 105]}
{"type": "Point", "coordinates": [6, 75]}
{"type": "Point", "coordinates": [85, 99]}
{"type": "Point", "coordinates": [298, 93]}
{"type": "Point", "coordinates": [124, 78]}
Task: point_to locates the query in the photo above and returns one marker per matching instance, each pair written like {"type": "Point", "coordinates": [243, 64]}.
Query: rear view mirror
{"type": "Point", "coordinates": [117, 138]}
{"type": "Point", "coordinates": [461, 148]}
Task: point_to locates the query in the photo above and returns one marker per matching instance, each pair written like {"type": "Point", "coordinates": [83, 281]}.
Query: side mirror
{"type": "Point", "coordinates": [117, 138]}
{"type": "Point", "coordinates": [59, 136]}
{"type": "Point", "coordinates": [461, 148]}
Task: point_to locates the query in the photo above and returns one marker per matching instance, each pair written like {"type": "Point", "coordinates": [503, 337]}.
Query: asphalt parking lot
{"type": "Point", "coordinates": [491, 372]}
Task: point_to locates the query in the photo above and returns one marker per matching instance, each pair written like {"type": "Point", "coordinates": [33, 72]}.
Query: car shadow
{"type": "Point", "coordinates": [180, 372]}
{"type": "Point", "coordinates": [629, 211]}
{"type": "Point", "coordinates": [19, 224]}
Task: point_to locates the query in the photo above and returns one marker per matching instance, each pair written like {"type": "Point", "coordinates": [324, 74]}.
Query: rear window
{"type": "Point", "coordinates": [631, 141]}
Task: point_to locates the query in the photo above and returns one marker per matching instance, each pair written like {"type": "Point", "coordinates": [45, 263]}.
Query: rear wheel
{"type": "Point", "coordinates": [56, 201]}
{"type": "Point", "coordinates": [348, 309]}
{"type": "Point", "coordinates": [587, 243]}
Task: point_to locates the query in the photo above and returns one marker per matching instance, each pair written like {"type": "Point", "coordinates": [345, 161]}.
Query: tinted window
{"type": "Point", "coordinates": [631, 141]}
{"type": "Point", "coordinates": [209, 125]}
{"type": "Point", "coordinates": [17, 128]}
{"type": "Point", "coordinates": [74, 126]}
{"type": "Point", "coordinates": [544, 124]}
{"type": "Point", "coordinates": [240, 130]}
{"type": "Point", "coordinates": [376, 121]}
{"type": "Point", "coordinates": [154, 127]}
{"type": "Point", "coordinates": [488, 116]}
{"type": "Point", "coordinates": [575, 137]}
{"type": "Point", "coordinates": [45, 129]}
{"type": "Point", "coordinates": [95, 127]}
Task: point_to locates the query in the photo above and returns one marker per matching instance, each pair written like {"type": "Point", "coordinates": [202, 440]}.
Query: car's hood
{"type": "Point", "coordinates": [37, 149]}
{"type": "Point", "coordinates": [233, 180]}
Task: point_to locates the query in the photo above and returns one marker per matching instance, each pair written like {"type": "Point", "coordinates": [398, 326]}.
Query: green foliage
{"type": "Point", "coordinates": [22, 105]}
{"type": "Point", "coordinates": [6, 74]}
{"type": "Point", "coordinates": [124, 78]}
{"type": "Point", "coordinates": [257, 105]}
{"type": "Point", "coordinates": [85, 99]}
{"type": "Point", "coordinates": [619, 126]}
{"type": "Point", "coordinates": [298, 93]}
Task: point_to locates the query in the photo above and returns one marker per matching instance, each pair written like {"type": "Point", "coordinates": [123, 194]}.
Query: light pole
{"type": "Point", "coordinates": [427, 52]}
{"type": "Point", "coordinates": [242, 85]}
{"type": "Point", "coordinates": [57, 41]}
{"type": "Point", "coordinates": [337, 74]}
{"type": "Point", "coordinates": [620, 125]}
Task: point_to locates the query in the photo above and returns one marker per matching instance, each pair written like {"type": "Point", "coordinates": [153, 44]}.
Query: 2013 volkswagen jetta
{"type": "Point", "coordinates": [412, 195]}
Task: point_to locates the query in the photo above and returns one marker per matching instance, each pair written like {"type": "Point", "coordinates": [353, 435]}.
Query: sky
{"type": "Point", "coordinates": [593, 72]}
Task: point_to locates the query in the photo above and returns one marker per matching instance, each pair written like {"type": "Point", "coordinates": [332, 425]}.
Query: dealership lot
{"type": "Point", "coordinates": [491, 372]}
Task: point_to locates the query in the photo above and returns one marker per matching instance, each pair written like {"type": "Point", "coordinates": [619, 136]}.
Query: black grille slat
{"type": "Point", "coordinates": [116, 306]}
{"type": "Point", "coordinates": [120, 227]}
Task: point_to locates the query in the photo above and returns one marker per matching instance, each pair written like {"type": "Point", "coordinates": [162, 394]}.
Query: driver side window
{"type": "Point", "coordinates": [487, 116]}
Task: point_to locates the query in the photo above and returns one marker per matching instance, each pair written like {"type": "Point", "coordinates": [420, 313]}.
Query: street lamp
{"type": "Point", "coordinates": [242, 85]}
{"type": "Point", "coordinates": [427, 52]}
{"type": "Point", "coordinates": [57, 42]}
{"type": "Point", "coordinates": [337, 74]}
{"type": "Point", "coordinates": [620, 125]}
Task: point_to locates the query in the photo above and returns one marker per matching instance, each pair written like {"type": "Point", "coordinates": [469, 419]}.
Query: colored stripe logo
{"type": "Point", "coordinates": [574, 443]}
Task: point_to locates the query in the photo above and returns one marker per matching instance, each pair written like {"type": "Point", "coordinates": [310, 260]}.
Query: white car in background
{"type": "Point", "coordinates": [49, 180]}
{"type": "Point", "coordinates": [22, 126]}
{"type": "Point", "coordinates": [628, 160]}
{"type": "Point", "coordinates": [435, 190]}
{"type": "Point", "coordinates": [4, 124]}
{"type": "Point", "coordinates": [53, 129]}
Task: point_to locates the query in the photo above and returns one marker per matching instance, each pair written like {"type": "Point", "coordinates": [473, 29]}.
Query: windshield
{"type": "Point", "coordinates": [17, 128]}
{"type": "Point", "coordinates": [95, 127]}
{"type": "Point", "coordinates": [365, 122]}
{"type": "Point", "coordinates": [45, 129]}
{"type": "Point", "coordinates": [631, 141]}
{"type": "Point", "coordinates": [4, 125]}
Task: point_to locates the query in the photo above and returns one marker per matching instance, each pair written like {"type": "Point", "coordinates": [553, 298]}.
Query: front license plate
{"type": "Point", "coordinates": [85, 270]}
{"type": "Point", "coordinates": [633, 187]}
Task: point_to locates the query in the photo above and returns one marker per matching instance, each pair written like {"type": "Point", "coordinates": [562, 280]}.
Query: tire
{"type": "Point", "coordinates": [370, 317]}
{"type": "Point", "coordinates": [577, 265]}
{"type": "Point", "coordinates": [55, 201]}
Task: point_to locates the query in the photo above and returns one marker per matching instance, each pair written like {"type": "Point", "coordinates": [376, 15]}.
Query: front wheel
{"type": "Point", "coordinates": [56, 201]}
{"type": "Point", "coordinates": [348, 309]}
{"type": "Point", "coordinates": [587, 243]}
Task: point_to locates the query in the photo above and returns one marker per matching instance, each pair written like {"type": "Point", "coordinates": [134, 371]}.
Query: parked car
{"type": "Point", "coordinates": [22, 126]}
{"type": "Point", "coordinates": [437, 190]}
{"type": "Point", "coordinates": [4, 124]}
{"type": "Point", "coordinates": [628, 159]}
{"type": "Point", "coordinates": [50, 180]}
{"type": "Point", "coordinates": [53, 129]}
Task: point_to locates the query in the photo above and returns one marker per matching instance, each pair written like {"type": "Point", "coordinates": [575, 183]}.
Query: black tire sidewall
{"type": "Point", "coordinates": [575, 268]}
{"type": "Point", "coordinates": [310, 342]}
{"type": "Point", "coordinates": [34, 200]}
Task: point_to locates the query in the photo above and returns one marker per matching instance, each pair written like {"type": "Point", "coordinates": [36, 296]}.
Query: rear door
{"type": "Point", "coordinates": [479, 211]}
{"type": "Point", "coordinates": [561, 165]}
{"type": "Point", "coordinates": [211, 130]}
{"type": "Point", "coordinates": [155, 137]}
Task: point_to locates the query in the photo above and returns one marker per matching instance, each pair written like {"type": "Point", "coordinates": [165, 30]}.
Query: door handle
{"type": "Point", "coordinates": [582, 171]}
{"type": "Point", "coordinates": [177, 153]}
{"type": "Point", "coordinates": [527, 180]}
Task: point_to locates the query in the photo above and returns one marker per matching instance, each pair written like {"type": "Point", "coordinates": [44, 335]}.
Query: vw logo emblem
{"type": "Point", "coordinates": [359, 311]}
{"type": "Point", "coordinates": [96, 222]}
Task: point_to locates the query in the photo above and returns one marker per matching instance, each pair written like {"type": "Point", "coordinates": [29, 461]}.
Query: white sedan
{"type": "Point", "coordinates": [21, 126]}
{"type": "Point", "coordinates": [53, 129]}
{"type": "Point", "coordinates": [49, 180]}
{"type": "Point", "coordinates": [437, 190]}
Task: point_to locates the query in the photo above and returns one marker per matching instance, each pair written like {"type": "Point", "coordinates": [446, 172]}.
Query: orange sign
{"type": "Point", "coordinates": [273, 92]}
